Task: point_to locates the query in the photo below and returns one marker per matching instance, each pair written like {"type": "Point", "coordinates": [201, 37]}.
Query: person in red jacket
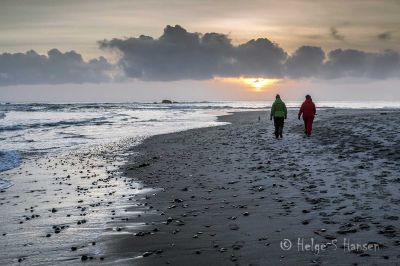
{"type": "Point", "coordinates": [308, 111]}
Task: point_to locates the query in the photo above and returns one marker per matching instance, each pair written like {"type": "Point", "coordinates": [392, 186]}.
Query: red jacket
{"type": "Point", "coordinates": [307, 109]}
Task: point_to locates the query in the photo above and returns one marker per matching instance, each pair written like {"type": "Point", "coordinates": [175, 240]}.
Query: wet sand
{"type": "Point", "coordinates": [60, 207]}
{"type": "Point", "coordinates": [234, 195]}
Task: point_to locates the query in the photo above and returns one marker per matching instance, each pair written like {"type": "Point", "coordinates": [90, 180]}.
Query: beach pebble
{"type": "Point", "coordinates": [233, 227]}
{"type": "Point", "coordinates": [238, 245]}
{"type": "Point", "coordinates": [147, 253]}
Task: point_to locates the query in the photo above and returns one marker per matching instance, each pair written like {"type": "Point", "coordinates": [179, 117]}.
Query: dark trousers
{"type": "Point", "coordinates": [278, 123]}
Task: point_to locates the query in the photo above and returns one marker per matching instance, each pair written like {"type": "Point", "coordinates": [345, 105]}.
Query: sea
{"type": "Point", "coordinates": [29, 131]}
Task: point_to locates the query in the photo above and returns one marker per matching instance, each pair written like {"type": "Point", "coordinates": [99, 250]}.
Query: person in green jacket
{"type": "Point", "coordinates": [279, 113]}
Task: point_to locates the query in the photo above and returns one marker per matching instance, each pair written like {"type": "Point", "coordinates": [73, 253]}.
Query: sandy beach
{"type": "Point", "coordinates": [223, 195]}
{"type": "Point", "coordinates": [233, 195]}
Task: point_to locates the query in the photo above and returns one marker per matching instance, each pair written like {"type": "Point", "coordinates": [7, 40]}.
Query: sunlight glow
{"type": "Point", "coordinates": [256, 84]}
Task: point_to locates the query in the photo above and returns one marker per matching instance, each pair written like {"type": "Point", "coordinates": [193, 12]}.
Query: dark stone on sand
{"type": "Point", "coordinates": [179, 222]}
{"type": "Point", "coordinates": [233, 227]}
{"type": "Point", "coordinates": [245, 214]}
{"type": "Point", "coordinates": [143, 165]}
{"type": "Point", "coordinates": [391, 217]}
{"type": "Point", "coordinates": [147, 253]}
{"type": "Point", "coordinates": [238, 245]}
{"type": "Point", "coordinates": [84, 258]}
{"type": "Point", "coordinates": [389, 231]}
{"type": "Point", "coordinates": [48, 235]}
{"type": "Point", "coordinates": [363, 226]}
{"type": "Point", "coordinates": [142, 233]}
{"type": "Point", "coordinates": [53, 210]}
{"type": "Point", "coordinates": [330, 237]}
{"type": "Point", "coordinates": [74, 248]}
{"type": "Point", "coordinates": [346, 230]}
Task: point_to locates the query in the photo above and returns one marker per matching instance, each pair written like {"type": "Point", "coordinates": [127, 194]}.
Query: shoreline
{"type": "Point", "coordinates": [218, 206]}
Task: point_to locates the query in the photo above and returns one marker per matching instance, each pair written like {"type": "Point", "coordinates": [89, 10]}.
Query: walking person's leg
{"type": "Point", "coordinates": [309, 126]}
{"type": "Point", "coordinates": [282, 123]}
{"type": "Point", "coordinates": [305, 125]}
{"type": "Point", "coordinates": [276, 125]}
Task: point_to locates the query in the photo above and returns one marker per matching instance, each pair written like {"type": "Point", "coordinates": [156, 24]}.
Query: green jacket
{"type": "Point", "coordinates": [278, 109]}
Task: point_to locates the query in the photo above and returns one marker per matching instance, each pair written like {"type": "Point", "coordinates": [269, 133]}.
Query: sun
{"type": "Point", "coordinates": [256, 84]}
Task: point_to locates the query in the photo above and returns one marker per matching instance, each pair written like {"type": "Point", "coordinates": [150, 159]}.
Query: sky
{"type": "Point", "coordinates": [100, 50]}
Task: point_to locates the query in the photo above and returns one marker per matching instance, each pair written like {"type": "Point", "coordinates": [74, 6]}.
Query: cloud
{"type": "Point", "coordinates": [54, 68]}
{"type": "Point", "coordinates": [355, 63]}
{"type": "Point", "coordinates": [179, 54]}
{"type": "Point", "coordinates": [384, 36]}
{"type": "Point", "coordinates": [335, 34]}
{"type": "Point", "coordinates": [306, 61]}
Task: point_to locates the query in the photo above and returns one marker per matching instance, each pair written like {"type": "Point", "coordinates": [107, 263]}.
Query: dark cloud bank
{"type": "Point", "coordinates": [179, 54]}
{"type": "Point", "coordinates": [54, 68]}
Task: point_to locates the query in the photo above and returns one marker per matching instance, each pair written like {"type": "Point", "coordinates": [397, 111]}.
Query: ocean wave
{"type": "Point", "coordinates": [81, 122]}
{"type": "Point", "coordinates": [9, 160]}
